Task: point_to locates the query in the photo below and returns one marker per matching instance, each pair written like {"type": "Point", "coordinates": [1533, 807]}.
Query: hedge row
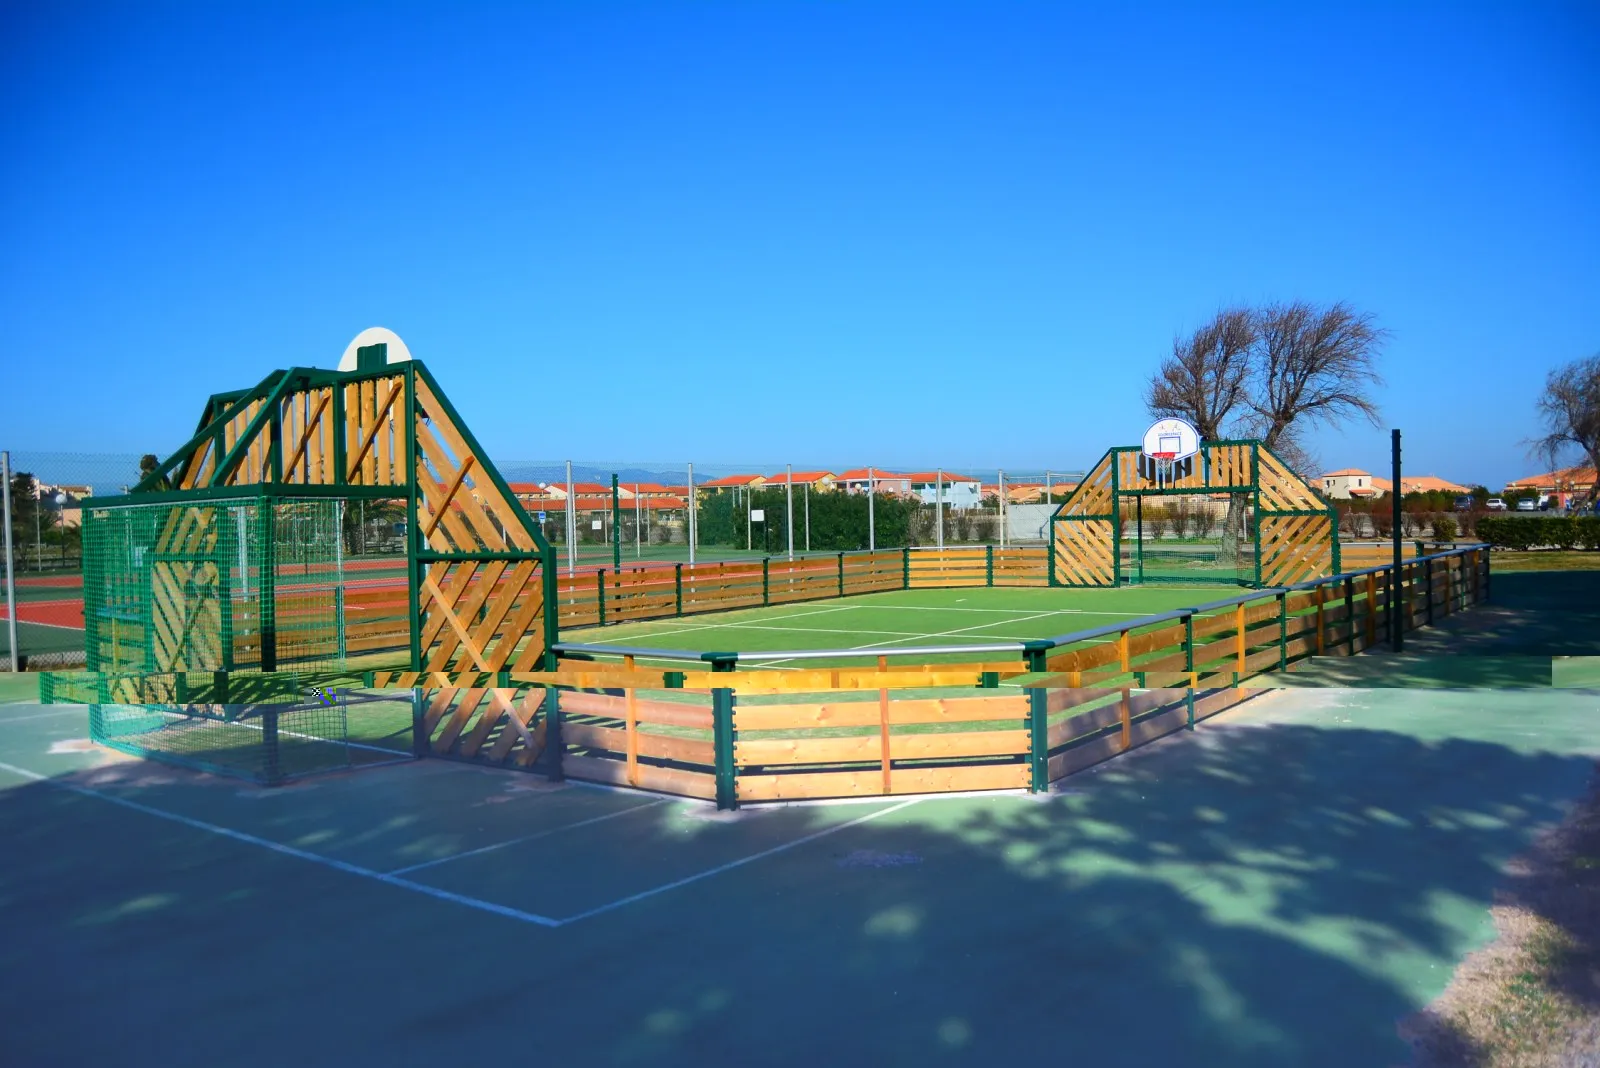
{"type": "Point", "coordinates": [1534, 532]}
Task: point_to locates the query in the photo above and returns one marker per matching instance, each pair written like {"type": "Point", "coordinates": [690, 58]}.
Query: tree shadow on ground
{"type": "Point", "coordinates": [1246, 895]}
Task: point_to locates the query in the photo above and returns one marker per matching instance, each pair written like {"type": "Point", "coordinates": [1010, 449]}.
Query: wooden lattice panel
{"type": "Point", "coordinates": [1093, 494]}
{"type": "Point", "coordinates": [380, 434]}
{"type": "Point", "coordinates": [1282, 490]}
{"type": "Point", "coordinates": [490, 724]}
{"type": "Point", "coordinates": [1084, 551]}
{"type": "Point", "coordinates": [1295, 548]}
{"type": "Point", "coordinates": [185, 594]}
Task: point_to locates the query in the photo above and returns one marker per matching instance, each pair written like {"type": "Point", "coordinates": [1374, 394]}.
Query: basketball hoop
{"type": "Point", "coordinates": [1166, 456]}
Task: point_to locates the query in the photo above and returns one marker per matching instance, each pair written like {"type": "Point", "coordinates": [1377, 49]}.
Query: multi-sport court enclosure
{"type": "Point", "coordinates": [223, 626]}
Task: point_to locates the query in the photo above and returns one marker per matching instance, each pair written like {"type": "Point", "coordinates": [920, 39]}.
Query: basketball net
{"type": "Point", "coordinates": [1163, 462]}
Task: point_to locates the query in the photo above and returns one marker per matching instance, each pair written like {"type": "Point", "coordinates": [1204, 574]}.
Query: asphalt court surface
{"type": "Point", "coordinates": [1349, 839]}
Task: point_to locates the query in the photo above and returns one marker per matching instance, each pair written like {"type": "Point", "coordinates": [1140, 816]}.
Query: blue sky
{"type": "Point", "coordinates": [905, 234]}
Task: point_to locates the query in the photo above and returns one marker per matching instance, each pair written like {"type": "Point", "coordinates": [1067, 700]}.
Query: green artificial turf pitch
{"type": "Point", "coordinates": [883, 622]}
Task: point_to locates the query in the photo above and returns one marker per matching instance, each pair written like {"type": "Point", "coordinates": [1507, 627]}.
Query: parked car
{"type": "Point", "coordinates": [1527, 504]}
{"type": "Point", "coordinates": [1463, 504]}
{"type": "Point", "coordinates": [1495, 504]}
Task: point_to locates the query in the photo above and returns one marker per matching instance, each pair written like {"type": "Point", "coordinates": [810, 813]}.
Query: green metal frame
{"type": "Point", "coordinates": [1253, 488]}
{"type": "Point", "coordinates": [221, 408]}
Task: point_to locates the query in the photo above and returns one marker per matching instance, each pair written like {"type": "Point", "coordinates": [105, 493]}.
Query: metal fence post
{"type": "Point", "coordinates": [988, 565]}
{"type": "Point", "coordinates": [1039, 739]}
{"type": "Point", "coordinates": [11, 582]}
{"type": "Point", "coordinates": [766, 595]}
{"type": "Point", "coordinates": [554, 747]}
{"type": "Point", "coordinates": [677, 588]}
{"type": "Point", "coordinates": [841, 574]}
{"type": "Point", "coordinates": [1283, 631]}
{"type": "Point", "coordinates": [600, 592]}
{"type": "Point", "coordinates": [722, 737]}
{"type": "Point", "coordinates": [905, 567]}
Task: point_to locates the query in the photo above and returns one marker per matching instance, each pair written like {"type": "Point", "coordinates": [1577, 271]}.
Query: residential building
{"type": "Point", "coordinates": [1350, 483]}
{"type": "Point", "coordinates": [821, 481]}
{"type": "Point", "coordinates": [733, 482]}
{"type": "Point", "coordinates": [959, 491]}
{"type": "Point", "coordinates": [857, 479]}
{"type": "Point", "coordinates": [1565, 485]}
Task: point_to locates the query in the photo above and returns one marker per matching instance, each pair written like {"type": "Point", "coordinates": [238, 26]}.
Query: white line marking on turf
{"type": "Point", "coordinates": [291, 851]}
{"type": "Point", "coordinates": [741, 862]}
{"type": "Point", "coordinates": [945, 633]}
{"type": "Point", "coordinates": [690, 628]}
{"type": "Point", "coordinates": [528, 837]}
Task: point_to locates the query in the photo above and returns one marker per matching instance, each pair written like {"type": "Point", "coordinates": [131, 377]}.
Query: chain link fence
{"type": "Point", "coordinates": [597, 513]}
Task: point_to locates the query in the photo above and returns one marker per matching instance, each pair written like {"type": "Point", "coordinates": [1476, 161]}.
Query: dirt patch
{"type": "Point", "coordinates": [1532, 998]}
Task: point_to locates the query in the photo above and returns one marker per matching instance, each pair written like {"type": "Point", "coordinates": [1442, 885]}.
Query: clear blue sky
{"type": "Point", "coordinates": [834, 233]}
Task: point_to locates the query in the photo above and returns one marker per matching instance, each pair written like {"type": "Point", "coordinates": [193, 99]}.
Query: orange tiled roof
{"type": "Point", "coordinates": [799, 477]}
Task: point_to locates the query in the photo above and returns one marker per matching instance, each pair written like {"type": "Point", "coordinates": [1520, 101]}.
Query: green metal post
{"type": "Point", "coordinates": [1116, 519]}
{"type": "Point", "coordinates": [1350, 614]}
{"type": "Point", "coordinates": [1050, 553]}
{"type": "Point", "coordinates": [267, 587]}
{"type": "Point", "coordinates": [722, 738]}
{"type": "Point", "coordinates": [413, 536]}
{"type": "Point", "coordinates": [672, 680]}
{"type": "Point", "coordinates": [1427, 587]}
{"type": "Point", "coordinates": [989, 680]}
{"type": "Point", "coordinates": [616, 528]}
{"type": "Point", "coordinates": [905, 568]}
{"type": "Point", "coordinates": [224, 565]}
{"type": "Point", "coordinates": [766, 595]}
{"type": "Point", "coordinates": [555, 748]}
{"type": "Point", "coordinates": [1039, 739]}
{"type": "Point", "coordinates": [600, 593]}
{"type": "Point", "coordinates": [1254, 518]}
{"type": "Point", "coordinates": [1333, 525]}
{"type": "Point", "coordinates": [677, 589]}
{"type": "Point", "coordinates": [841, 574]}
{"type": "Point", "coordinates": [1283, 631]}
{"type": "Point", "coordinates": [988, 565]}
{"type": "Point", "coordinates": [271, 766]}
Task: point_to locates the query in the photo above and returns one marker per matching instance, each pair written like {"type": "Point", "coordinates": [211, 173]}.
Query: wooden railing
{"type": "Point", "coordinates": [721, 725]}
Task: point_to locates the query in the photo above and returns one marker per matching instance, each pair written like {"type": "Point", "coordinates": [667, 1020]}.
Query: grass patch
{"type": "Point", "coordinates": [1532, 998]}
{"type": "Point", "coordinates": [1544, 560]}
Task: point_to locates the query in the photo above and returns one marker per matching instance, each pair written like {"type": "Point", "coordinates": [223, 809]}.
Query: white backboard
{"type": "Point", "coordinates": [373, 335]}
{"type": "Point", "coordinates": [1172, 437]}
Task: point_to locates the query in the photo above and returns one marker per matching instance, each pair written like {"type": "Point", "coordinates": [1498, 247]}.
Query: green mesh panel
{"type": "Point", "coordinates": [238, 584]}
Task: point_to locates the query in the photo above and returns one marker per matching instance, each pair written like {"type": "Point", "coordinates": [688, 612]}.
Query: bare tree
{"type": "Point", "coordinates": [1570, 411]}
{"type": "Point", "coordinates": [1206, 376]}
{"type": "Point", "coordinates": [1311, 365]}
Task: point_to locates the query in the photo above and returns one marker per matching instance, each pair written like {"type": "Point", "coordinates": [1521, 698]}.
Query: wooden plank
{"type": "Point", "coordinates": [869, 783]}
{"type": "Point", "coordinates": [790, 717]}
{"type": "Point", "coordinates": [957, 744]}
{"type": "Point", "coordinates": [676, 781]}
{"type": "Point", "coordinates": [763, 752]}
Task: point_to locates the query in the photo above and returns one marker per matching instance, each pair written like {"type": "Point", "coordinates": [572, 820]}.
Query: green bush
{"type": "Point", "coordinates": [1530, 532]}
{"type": "Point", "coordinates": [1444, 527]}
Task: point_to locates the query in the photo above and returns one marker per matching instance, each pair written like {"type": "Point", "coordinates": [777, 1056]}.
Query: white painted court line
{"type": "Point", "coordinates": [291, 851]}
{"type": "Point", "coordinates": [529, 837]}
{"type": "Point", "coordinates": [42, 715]}
{"type": "Point", "coordinates": [35, 623]}
{"type": "Point", "coordinates": [741, 862]}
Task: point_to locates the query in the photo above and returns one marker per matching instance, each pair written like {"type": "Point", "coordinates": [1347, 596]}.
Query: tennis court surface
{"type": "Point", "coordinates": [1276, 888]}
